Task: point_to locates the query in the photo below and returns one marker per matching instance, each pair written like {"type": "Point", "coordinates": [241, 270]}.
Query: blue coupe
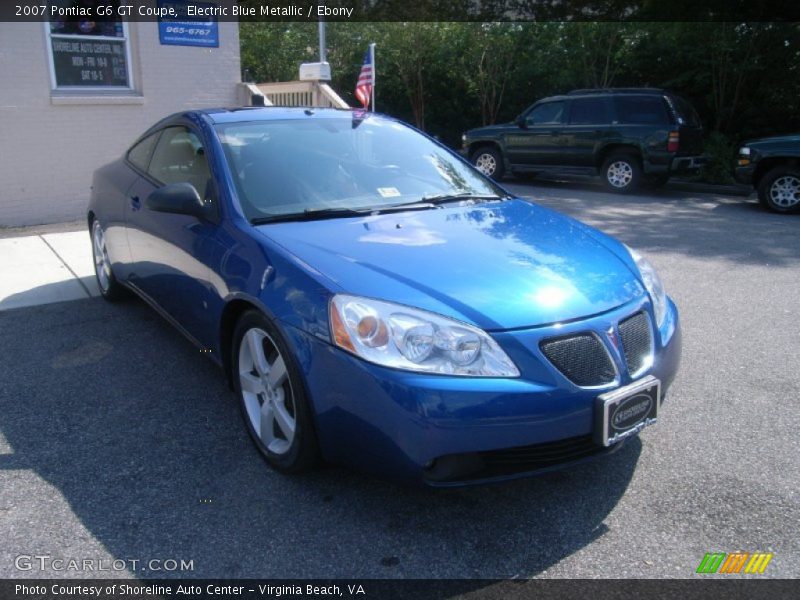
{"type": "Point", "coordinates": [375, 301]}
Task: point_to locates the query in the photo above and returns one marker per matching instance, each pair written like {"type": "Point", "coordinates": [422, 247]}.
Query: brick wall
{"type": "Point", "coordinates": [49, 150]}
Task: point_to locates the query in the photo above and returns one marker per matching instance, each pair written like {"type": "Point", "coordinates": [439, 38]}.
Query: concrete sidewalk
{"type": "Point", "coordinates": [46, 268]}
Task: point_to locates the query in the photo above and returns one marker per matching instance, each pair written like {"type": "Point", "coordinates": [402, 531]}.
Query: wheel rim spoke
{"type": "Point", "coordinates": [255, 344]}
{"type": "Point", "coordinates": [277, 373]}
{"type": "Point", "coordinates": [266, 430]}
{"type": "Point", "coordinates": [284, 421]}
{"type": "Point", "coordinates": [251, 384]}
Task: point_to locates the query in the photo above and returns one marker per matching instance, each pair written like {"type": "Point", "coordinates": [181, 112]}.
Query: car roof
{"type": "Point", "coordinates": [608, 91]}
{"type": "Point", "coordinates": [274, 113]}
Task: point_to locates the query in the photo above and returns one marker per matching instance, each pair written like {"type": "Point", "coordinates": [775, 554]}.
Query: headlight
{"type": "Point", "coordinates": [653, 284]}
{"type": "Point", "coordinates": [463, 138]}
{"type": "Point", "coordinates": [398, 336]}
{"type": "Point", "coordinates": [744, 151]}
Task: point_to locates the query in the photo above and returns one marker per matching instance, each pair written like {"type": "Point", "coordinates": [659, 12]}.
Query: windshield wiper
{"type": "Point", "coordinates": [442, 198]}
{"type": "Point", "coordinates": [309, 214]}
{"type": "Point", "coordinates": [428, 202]}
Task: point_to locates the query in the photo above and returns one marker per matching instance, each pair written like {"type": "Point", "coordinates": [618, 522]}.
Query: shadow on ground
{"type": "Point", "coordinates": [699, 225]}
{"type": "Point", "coordinates": [140, 435]}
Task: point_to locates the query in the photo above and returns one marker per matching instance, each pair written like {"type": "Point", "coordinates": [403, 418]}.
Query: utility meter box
{"type": "Point", "coordinates": [317, 71]}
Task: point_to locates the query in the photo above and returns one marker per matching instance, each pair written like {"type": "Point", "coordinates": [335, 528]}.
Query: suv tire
{"type": "Point", "coordinates": [779, 189]}
{"type": "Point", "coordinates": [622, 173]}
{"type": "Point", "coordinates": [487, 160]}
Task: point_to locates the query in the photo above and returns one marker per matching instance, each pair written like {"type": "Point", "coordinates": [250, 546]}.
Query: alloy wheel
{"type": "Point", "coordinates": [102, 265]}
{"type": "Point", "coordinates": [619, 174]}
{"type": "Point", "coordinates": [486, 163]}
{"type": "Point", "coordinates": [267, 391]}
{"type": "Point", "coordinates": [785, 191]}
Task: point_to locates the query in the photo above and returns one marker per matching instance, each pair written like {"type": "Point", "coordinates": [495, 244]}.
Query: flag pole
{"type": "Point", "coordinates": [374, 73]}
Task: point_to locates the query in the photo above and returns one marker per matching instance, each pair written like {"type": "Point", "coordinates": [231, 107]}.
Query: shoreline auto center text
{"type": "Point", "coordinates": [139, 590]}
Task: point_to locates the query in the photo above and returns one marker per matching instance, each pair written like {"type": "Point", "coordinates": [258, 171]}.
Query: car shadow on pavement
{"type": "Point", "coordinates": [117, 419]}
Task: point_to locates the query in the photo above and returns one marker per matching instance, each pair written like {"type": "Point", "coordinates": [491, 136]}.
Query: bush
{"type": "Point", "coordinates": [721, 153]}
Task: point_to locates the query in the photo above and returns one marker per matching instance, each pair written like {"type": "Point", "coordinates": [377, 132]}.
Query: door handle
{"type": "Point", "coordinates": [135, 203]}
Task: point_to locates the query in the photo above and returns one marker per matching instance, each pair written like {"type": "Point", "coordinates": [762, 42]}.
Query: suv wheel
{"type": "Point", "coordinates": [780, 189]}
{"type": "Point", "coordinates": [622, 173]}
{"type": "Point", "coordinates": [488, 161]}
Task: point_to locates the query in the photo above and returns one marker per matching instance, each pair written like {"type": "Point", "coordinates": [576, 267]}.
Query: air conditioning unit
{"type": "Point", "coordinates": [317, 71]}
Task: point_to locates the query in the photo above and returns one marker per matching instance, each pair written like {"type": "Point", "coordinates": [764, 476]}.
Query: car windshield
{"type": "Point", "coordinates": [327, 164]}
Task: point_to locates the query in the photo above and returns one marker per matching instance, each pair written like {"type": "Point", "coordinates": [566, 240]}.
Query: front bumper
{"type": "Point", "coordinates": [409, 426]}
{"type": "Point", "coordinates": [744, 174]}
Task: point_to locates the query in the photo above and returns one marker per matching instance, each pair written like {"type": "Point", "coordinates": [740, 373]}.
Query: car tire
{"type": "Point", "coordinates": [488, 160]}
{"type": "Point", "coordinates": [655, 182]}
{"type": "Point", "coordinates": [272, 395]}
{"type": "Point", "coordinates": [110, 289]}
{"type": "Point", "coordinates": [622, 173]}
{"type": "Point", "coordinates": [779, 189]}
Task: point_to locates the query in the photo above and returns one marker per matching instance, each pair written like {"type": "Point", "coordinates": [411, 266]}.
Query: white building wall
{"type": "Point", "coordinates": [50, 145]}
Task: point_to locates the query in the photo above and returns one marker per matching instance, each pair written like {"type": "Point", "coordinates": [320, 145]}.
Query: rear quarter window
{"type": "Point", "coordinates": [686, 111]}
{"type": "Point", "coordinates": [139, 155]}
{"type": "Point", "coordinates": [642, 110]}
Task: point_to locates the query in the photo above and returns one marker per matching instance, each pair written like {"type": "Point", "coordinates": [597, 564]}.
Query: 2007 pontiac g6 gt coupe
{"type": "Point", "coordinates": [377, 302]}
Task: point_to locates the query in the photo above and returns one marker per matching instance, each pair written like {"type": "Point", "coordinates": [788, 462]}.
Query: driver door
{"type": "Point", "coordinates": [171, 252]}
{"type": "Point", "coordinates": [537, 141]}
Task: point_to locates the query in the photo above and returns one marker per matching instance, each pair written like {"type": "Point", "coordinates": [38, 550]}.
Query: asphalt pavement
{"type": "Point", "coordinates": [119, 440]}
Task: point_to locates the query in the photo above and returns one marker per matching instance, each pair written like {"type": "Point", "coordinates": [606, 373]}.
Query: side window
{"type": "Point", "coordinates": [180, 157]}
{"type": "Point", "coordinates": [642, 110]}
{"type": "Point", "coordinates": [549, 113]}
{"type": "Point", "coordinates": [139, 154]}
{"type": "Point", "coordinates": [589, 111]}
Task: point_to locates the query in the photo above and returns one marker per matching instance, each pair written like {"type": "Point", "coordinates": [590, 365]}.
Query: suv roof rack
{"type": "Point", "coordinates": [640, 90]}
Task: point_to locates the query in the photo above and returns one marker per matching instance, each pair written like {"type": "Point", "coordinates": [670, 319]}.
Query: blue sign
{"type": "Point", "coordinates": [183, 30]}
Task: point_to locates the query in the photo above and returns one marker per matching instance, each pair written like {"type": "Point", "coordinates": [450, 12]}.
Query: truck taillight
{"type": "Point", "coordinates": [674, 141]}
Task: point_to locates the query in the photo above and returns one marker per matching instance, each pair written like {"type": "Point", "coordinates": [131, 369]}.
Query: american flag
{"type": "Point", "coordinates": [365, 80]}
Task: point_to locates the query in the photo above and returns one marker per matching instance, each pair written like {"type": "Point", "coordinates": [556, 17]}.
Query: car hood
{"type": "Point", "coordinates": [499, 265]}
{"type": "Point", "coordinates": [779, 140]}
{"type": "Point", "coordinates": [490, 130]}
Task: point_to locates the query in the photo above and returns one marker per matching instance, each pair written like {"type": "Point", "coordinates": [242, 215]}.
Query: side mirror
{"type": "Point", "coordinates": [520, 122]}
{"type": "Point", "coordinates": [177, 198]}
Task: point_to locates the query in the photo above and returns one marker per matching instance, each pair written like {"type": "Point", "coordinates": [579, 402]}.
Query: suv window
{"type": "Point", "coordinates": [642, 110]}
{"type": "Point", "coordinates": [546, 114]}
{"type": "Point", "coordinates": [686, 111]}
{"type": "Point", "coordinates": [589, 111]}
{"type": "Point", "coordinates": [179, 157]}
{"type": "Point", "coordinates": [139, 155]}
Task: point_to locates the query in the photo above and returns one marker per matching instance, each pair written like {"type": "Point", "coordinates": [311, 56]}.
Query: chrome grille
{"type": "Point", "coordinates": [637, 342]}
{"type": "Point", "coordinates": [581, 358]}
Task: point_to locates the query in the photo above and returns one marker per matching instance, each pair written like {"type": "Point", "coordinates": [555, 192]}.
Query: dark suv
{"type": "Point", "coordinates": [772, 166]}
{"type": "Point", "coordinates": [629, 136]}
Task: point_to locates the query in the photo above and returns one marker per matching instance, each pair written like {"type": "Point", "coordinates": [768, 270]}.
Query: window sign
{"type": "Point", "coordinates": [182, 31]}
{"type": "Point", "coordinates": [86, 54]}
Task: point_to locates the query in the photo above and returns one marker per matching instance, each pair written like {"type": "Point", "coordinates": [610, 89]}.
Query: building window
{"type": "Point", "coordinates": [88, 56]}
